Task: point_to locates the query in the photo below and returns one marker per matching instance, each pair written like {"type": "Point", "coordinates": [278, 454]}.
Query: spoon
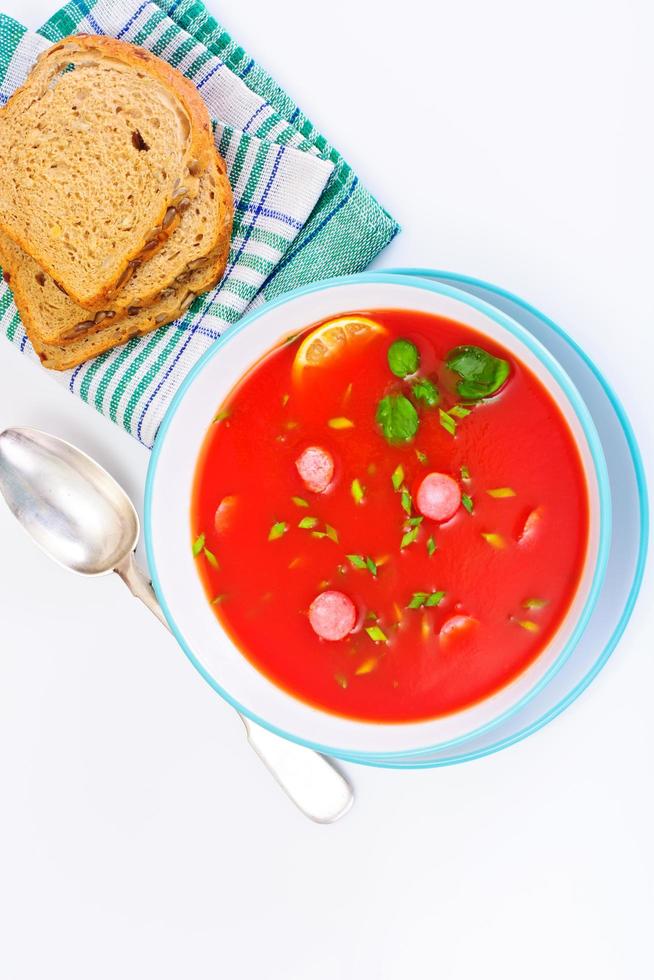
{"type": "Point", "coordinates": [79, 516]}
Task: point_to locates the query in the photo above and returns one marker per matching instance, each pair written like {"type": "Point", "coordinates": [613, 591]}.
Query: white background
{"type": "Point", "coordinates": [139, 836]}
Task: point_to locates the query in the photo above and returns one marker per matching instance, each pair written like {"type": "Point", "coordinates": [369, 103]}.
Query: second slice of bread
{"type": "Point", "coordinates": [20, 267]}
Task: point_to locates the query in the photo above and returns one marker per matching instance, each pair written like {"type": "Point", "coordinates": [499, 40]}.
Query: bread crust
{"type": "Point", "coordinates": [200, 143]}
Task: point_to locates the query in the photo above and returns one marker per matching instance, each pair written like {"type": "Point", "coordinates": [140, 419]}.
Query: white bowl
{"type": "Point", "coordinates": [168, 497]}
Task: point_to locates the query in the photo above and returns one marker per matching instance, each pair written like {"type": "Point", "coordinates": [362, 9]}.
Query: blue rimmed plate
{"type": "Point", "coordinates": [168, 493]}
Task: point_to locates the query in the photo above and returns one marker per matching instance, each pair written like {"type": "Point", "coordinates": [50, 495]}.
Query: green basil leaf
{"type": "Point", "coordinates": [424, 390]}
{"type": "Point", "coordinates": [397, 418]}
{"type": "Point", "coordinates": [403, 358]}
{"type": "Point", "coordinates": [481, 373]}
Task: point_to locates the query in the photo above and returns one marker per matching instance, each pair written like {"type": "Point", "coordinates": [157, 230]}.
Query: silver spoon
{"type": "Point", "coordinates": [77, 513]}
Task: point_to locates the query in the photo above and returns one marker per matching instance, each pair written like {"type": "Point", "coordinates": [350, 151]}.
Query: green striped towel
{"type": "Point", "coordinates": [300, 212]}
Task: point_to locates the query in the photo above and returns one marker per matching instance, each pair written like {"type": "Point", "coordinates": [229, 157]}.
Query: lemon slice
{"type": "Point", "coordinates": [331, 339]}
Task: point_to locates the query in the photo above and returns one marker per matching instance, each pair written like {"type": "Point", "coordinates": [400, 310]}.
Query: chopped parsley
{"type": "Point", "coordinates": [277, 530]}
{"type": "Point", "coordinates": [198, 544]}
{"type": "Point", "coordinates": [398, 477]}
{"type": "Point", "coordinates": [300, 501]}
{"type": "Point", "coordinates": [340, 423]}
{"type": "Point", "coordinates": [221, 416]}
{"type": "Point", "coordinates": [459, 411]}
{"type": "Point", "coordinates": [364, 562]}
{"type": "Point", "coordinates": [376, 634]}
{"type": "Point", "coordinates": [431, 545]}
{"type": "Point", "coordinates": [358, 491]}
{"type": "Point", "coordinates": [422, 457]}
{"type": "Point", "coordinates": [211, 558]}
{"type": "Point", "coordinates": [447, 422]}
{"type": "Point", "coordinates": [467, 502]}
{"type": "Point", "coordinates": [409, 537]}
{"type": "Point", "coordinates": [308, 522]}
{"type": "Point", "coordinates": [427, 599]}
{"type": "Point", "coordinates": [331, 533]}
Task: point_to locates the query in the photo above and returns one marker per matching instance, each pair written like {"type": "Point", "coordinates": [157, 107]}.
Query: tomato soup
{"type": "Point", "coordinates": [390, 516]}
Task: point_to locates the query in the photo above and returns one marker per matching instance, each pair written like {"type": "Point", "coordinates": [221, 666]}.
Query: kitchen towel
{"type": "Point", "coordinates": [301, 214]}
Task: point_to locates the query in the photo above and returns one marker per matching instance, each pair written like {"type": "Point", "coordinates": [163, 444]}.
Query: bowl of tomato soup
{"type": "Point", "coordinates": [378, 516]}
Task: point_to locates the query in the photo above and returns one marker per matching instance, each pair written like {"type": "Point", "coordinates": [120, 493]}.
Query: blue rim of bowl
{"type": "Point", "coordinates": [421, 279]}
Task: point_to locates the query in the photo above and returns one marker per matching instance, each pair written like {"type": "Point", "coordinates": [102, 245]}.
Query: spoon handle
{"type": "Point", "coordinates": [309, 779]}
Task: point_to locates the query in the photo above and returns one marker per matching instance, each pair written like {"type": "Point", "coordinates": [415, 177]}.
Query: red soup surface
{"type": "Point", "coordinates": [390, 516]}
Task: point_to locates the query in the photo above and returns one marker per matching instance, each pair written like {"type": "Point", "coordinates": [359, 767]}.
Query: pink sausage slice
{"type": "Point", "coordinates": [224, 515]}
{"type": "Point", "coordinates": [457, 625]}
{"type": "Point", "coordinates": [438, 497]}
{"type": "Point", "coordinates": [332, 615]}
{"type": "Point", "coordinates": [316, 468]}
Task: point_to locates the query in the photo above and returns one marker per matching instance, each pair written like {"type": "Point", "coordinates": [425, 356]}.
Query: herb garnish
{"type": "Point", "coordinates": [481, 373]}
{"type": "Point", "coordinates": [358, 491]}
{"type": "Point", "coordinates": [403, 358]}
{"type": "Point", "coordinates": [465, 473]}
{"type": "Point", "coordinates": [331, 533]}
{"type": "Point", "coordinates": [431, 545]}
{"type": "Point", "coordinates": [535, 603]}
{"type": "Point", "coordinates": [397, 418]}
{"type": "Point", "coordinates": [527, 624]}
{"type": "Point", "coordinates": [397, 478]}
{"type": "Point", "coordinates": [447, 422]}
{"type": "Point", "coordinates": [500, 492]}
{"type": "Point", "coordinates": [363, 562]}
{"type": "Point", "coordinates": [467, 502]}
{"type": "Point", "coordinates": [422, 457]}
{"type": "Point", "coordinates": [300, 501]}
{"type": "Point", "coordinates": [211, 558]}
{"type": "Point", "coordinates": [407, 502]}
{"type": "Point", "coordinates": [427, 599]}
{"type": "Point", "coordinates": [494, 540]}
{"type": "Point", "coordinates": [368, 664]}
{"type": "Point", "coordinates": [459, 411]}
{"type": "Point", "coordinates": [221, 416]}
{"type": "Point", "coordinates": [340, 423]}
{"type": "Point", "coordinates": [198, 544]}
{"type": "Point", "coordinates": [277, 530]}
{"type": "Point", "coordinates": [424, 390]}
{"type": "Point", "coordinates": [376, 634]}
{"type": "Point", "coordinates": [308, 522]}
{"type": "Point", "coordinates": [409, 537]}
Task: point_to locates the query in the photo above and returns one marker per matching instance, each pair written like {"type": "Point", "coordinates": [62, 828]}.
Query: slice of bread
{"type": "Point", "coordinates": [99, 148]}
{"type": "Point", "coordinates": [204, 227]}
{"type": "Point", "coordinates": [18, 265]}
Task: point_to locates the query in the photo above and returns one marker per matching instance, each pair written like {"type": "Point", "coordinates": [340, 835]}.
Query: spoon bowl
{"type": "Point", "coordinates": [67, 503]}
{"type": "Point", "coordinates": [79, 516]}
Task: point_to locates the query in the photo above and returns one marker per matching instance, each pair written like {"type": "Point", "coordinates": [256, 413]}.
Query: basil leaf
{"type": "Point", "coordinates": [426, 391]}
{"type": "Point", "coordinates": [481, 373]}
{"type": "Point", "coordinates": [403, 358]}
{"type": "Point", "coordinates": [397, 418]}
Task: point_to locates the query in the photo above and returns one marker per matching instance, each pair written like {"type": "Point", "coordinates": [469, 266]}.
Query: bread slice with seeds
{"type": "Point", "coordinates": [204, 227]}
{"type": "Point", "coordinates": [19, 266]}
{"type": "Point", "coordinates": [99, 148]}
